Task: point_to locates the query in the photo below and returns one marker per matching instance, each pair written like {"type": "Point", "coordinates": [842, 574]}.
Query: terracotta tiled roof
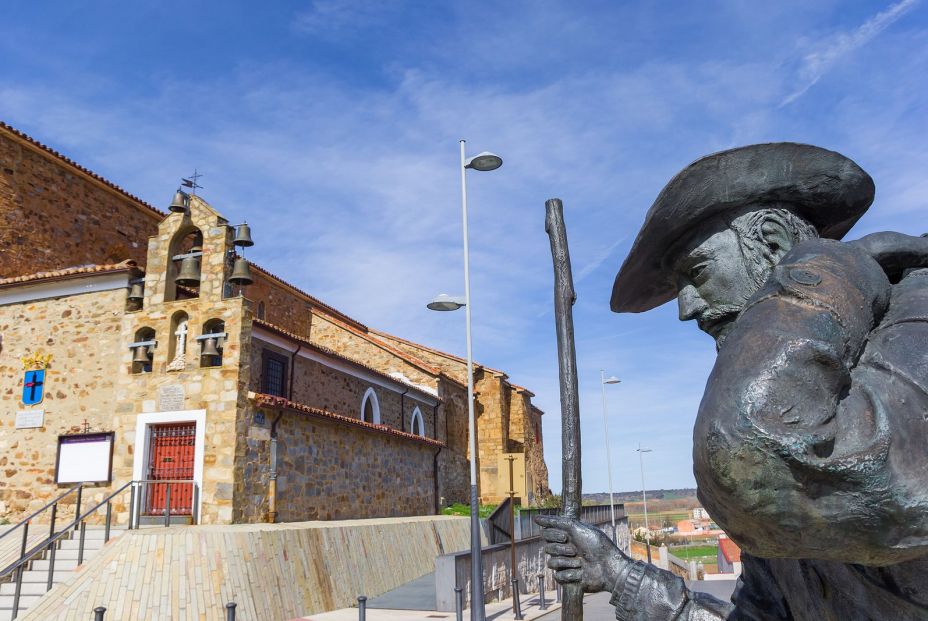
{"type": "Point", "coordinates": [730, 550]}
{"type": "Point", "coordinates": [334, 354]}
{"type": "Point", "coordinates": [69, 272]}
{"type": "Point", "coordinates": [437, 352]}
{"type": "Point", "coordinates": [270, 401]}
{"type": "Point", "coordinates": [45, 148]}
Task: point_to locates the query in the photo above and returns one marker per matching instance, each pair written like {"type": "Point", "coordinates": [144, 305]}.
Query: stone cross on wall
{"type": "Point", "coordinates": [180, 348]}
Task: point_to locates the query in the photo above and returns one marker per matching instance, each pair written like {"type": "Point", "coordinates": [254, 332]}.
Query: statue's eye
{"type": "Point", "coordinates": [696, 271]}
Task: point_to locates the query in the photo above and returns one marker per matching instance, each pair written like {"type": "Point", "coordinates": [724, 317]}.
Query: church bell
{"type": "Point", "coordinates": [141, 355]}
{"type": "Point", "coordinates": [136, 293]}
{"type": "Point", "coordinates": [189, 275]}
{"type": "Point", "coordinates": [243, 235]}
{"type": "Point", "coordinates": [179, 203]}
{"type": "Point", "coordinates": [209, 348]}
{"type": "Point", "coordinates": [241, 273]}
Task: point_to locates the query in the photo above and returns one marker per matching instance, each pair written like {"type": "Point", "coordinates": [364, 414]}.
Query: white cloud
{"type": "Point", "coordinates": [837, 47]}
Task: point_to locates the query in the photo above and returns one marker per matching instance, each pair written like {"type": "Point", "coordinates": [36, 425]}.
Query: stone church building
{"type": "Point", "coordinates": [138, 345]}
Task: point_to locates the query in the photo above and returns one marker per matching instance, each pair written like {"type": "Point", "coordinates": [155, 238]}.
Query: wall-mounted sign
{"type": "Point", "coordinates": [30, 419]}
{"type": "Point", "coordinates": [171, 398]}
{"type": "Point", "coordinates": [85, 458]}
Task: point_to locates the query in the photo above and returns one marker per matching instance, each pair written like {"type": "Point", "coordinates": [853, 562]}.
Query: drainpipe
{"type": "Point", "coordinates": [272, 479]}
{"type": "Point", "coordinates": [435, 423]}
{"type": "Point", "coordinates": [435, 480]}
{"type": "Point", "coordinates": [403, 410]}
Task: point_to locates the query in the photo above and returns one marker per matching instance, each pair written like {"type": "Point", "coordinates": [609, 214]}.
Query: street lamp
{"type": "Point", "coordinates": [603, 380]}
{"type": "Point", "coordinates": [482, 162]}
{"type": "Point", "coordinates": [644, 496]}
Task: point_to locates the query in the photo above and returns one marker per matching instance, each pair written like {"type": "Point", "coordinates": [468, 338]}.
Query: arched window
{"type": "Point", "coordinates": [416, 424]}
{"type": "Point", "coordinates": [177, 350]}
{"type": "Point", "coordinates": [260, 312]}
{"type": "Point", "coordinates": [183, 274]}
{"type": "Point", "coordinates": [211, 346]}
{"type": "Point", "coordinates": [370, 407]}
{"type": "Point", "coordinates": [142, 354]}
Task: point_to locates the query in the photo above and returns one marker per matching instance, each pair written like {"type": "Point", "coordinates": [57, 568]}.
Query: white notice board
{"type": "Point", "coordinates": [85, 458]}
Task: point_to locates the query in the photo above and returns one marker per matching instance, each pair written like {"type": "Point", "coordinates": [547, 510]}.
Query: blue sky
{"type": "Point", "coordinates": [332, 126]}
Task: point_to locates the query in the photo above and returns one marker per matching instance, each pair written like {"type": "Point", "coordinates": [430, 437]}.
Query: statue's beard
{"type": "Point", "coordinates": [718, 321]}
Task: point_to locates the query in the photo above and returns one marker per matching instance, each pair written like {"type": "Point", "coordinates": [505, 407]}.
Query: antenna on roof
{"type": "Point", "coordinates": [192, 182]}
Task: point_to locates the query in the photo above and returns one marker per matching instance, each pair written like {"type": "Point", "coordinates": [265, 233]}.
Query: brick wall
{"type": "Point", "coordinates": [53, 216]}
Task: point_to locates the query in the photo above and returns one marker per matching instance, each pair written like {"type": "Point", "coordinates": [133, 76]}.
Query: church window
{"type": "Point", "coordinates": [416, 424]}
{"type": "Point", "coordinates": [370, 407]}
{"type": "Point", "coordinates": [274, 374]}
{"type": "Point", "coordinates": [260, 310]}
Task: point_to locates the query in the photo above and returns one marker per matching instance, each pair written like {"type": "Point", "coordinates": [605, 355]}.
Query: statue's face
{"type": "Point", "coordinates": [713, 281]}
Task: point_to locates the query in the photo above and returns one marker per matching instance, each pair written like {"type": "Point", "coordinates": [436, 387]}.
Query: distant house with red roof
{"type": "Point", "coordinates": [729, 556]}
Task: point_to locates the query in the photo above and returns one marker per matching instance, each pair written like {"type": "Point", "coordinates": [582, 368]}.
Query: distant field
{"type": "Point", "coordinates": [656, 518]}
{"type": "Point", "coordinates": [696, 553]}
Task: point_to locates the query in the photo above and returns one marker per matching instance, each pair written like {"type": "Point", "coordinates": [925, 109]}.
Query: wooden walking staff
{"type": "Point", "coordinates": [564, 298]}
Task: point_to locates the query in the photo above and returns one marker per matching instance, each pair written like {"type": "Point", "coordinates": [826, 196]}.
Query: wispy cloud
{"type": "Point", "coordinates": [329, 18]}
{"type": "Point", "coordinates": [817, 63]}
{"type": "Point", "coordinates": [598, 260]}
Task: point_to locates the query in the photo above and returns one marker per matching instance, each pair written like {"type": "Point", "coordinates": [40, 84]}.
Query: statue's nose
{"type": "Point", "coordinates": [690, 304]}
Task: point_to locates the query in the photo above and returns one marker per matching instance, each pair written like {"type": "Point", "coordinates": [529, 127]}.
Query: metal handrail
{"type": "Point", "coordinates": [79, 522]}
{"type": "Point", "coordinates": [38, 511]}
{"type": "Point", "coordinates": [55, 537]}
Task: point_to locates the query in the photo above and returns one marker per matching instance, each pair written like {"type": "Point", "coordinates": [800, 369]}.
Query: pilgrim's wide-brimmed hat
{"type": "Point", "coordinates": [827, 189]}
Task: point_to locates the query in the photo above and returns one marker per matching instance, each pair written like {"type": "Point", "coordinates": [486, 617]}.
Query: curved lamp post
{"type": "Point", "coordinates": [483, 162]}
{"type": "Point", "coordinates": [603, 380]}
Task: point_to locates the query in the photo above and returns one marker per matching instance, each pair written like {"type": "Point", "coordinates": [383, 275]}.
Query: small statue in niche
{"type": "Point", "coordinates": [179, 362]}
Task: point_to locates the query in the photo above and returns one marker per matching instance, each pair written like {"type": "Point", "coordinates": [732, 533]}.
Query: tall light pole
{"type": "Point", "coordinates": [482, 162]}
{"type": "Point", "coordinates": [644, 496]}
{"type": "Point", "coordinates": [603, 381]}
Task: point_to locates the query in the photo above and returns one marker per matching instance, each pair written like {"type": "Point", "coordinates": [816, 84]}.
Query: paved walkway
{"type": "Point", "coordinates": [496, 611]}
{"type": "Point", "coordinates": [416, 595]}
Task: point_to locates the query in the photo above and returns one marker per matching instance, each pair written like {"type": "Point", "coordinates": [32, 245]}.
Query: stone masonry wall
{"type": "Point", "coordinates": [83, 335]}
{"type": "Point", "coordinates": [323, 387]}
{"type": "Point", "coordinates": [54, 216]}
{"type": "Point", "coordinates": [280, 306]}
{"type": "Point", "coordinates": [339, 339]}
{"type": "Point", "coordinates": [330, 471]}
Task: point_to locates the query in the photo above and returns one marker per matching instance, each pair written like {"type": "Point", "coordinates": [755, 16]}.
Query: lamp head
{"type": "Point", "coordinates": [484, 161]}
{"type": "Point", "coordinates": [612, 380]}
{"type": "Point", "coordinates": [444, 302]}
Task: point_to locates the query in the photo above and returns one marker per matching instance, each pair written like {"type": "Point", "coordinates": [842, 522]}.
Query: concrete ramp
{"type": "Point", "coordinates": [273, 572]}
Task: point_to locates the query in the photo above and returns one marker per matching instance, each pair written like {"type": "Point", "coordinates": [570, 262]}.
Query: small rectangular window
{"type": "Point", "coordinates": [273, 377]}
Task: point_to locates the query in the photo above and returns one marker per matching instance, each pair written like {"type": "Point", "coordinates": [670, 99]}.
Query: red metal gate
{"type": "Point", "coordinates": [171, 451]}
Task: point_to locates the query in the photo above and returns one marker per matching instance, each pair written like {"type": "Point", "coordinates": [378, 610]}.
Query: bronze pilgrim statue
{"type": "Point", "coordinates": [810, 447]}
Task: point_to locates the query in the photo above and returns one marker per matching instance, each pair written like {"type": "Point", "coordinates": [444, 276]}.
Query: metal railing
{"type": "Point", "coordinates": [591, 514]}
{"type": "Point", "coordinates": [177, 501]}
{"type": "Point", "coordinates": [26, 523]}
{"type": "Point", "coordinates": [137, 490]}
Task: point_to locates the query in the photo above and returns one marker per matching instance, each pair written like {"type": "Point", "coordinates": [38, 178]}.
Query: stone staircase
{"type": "Point", "coordinates": [35, 578]}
